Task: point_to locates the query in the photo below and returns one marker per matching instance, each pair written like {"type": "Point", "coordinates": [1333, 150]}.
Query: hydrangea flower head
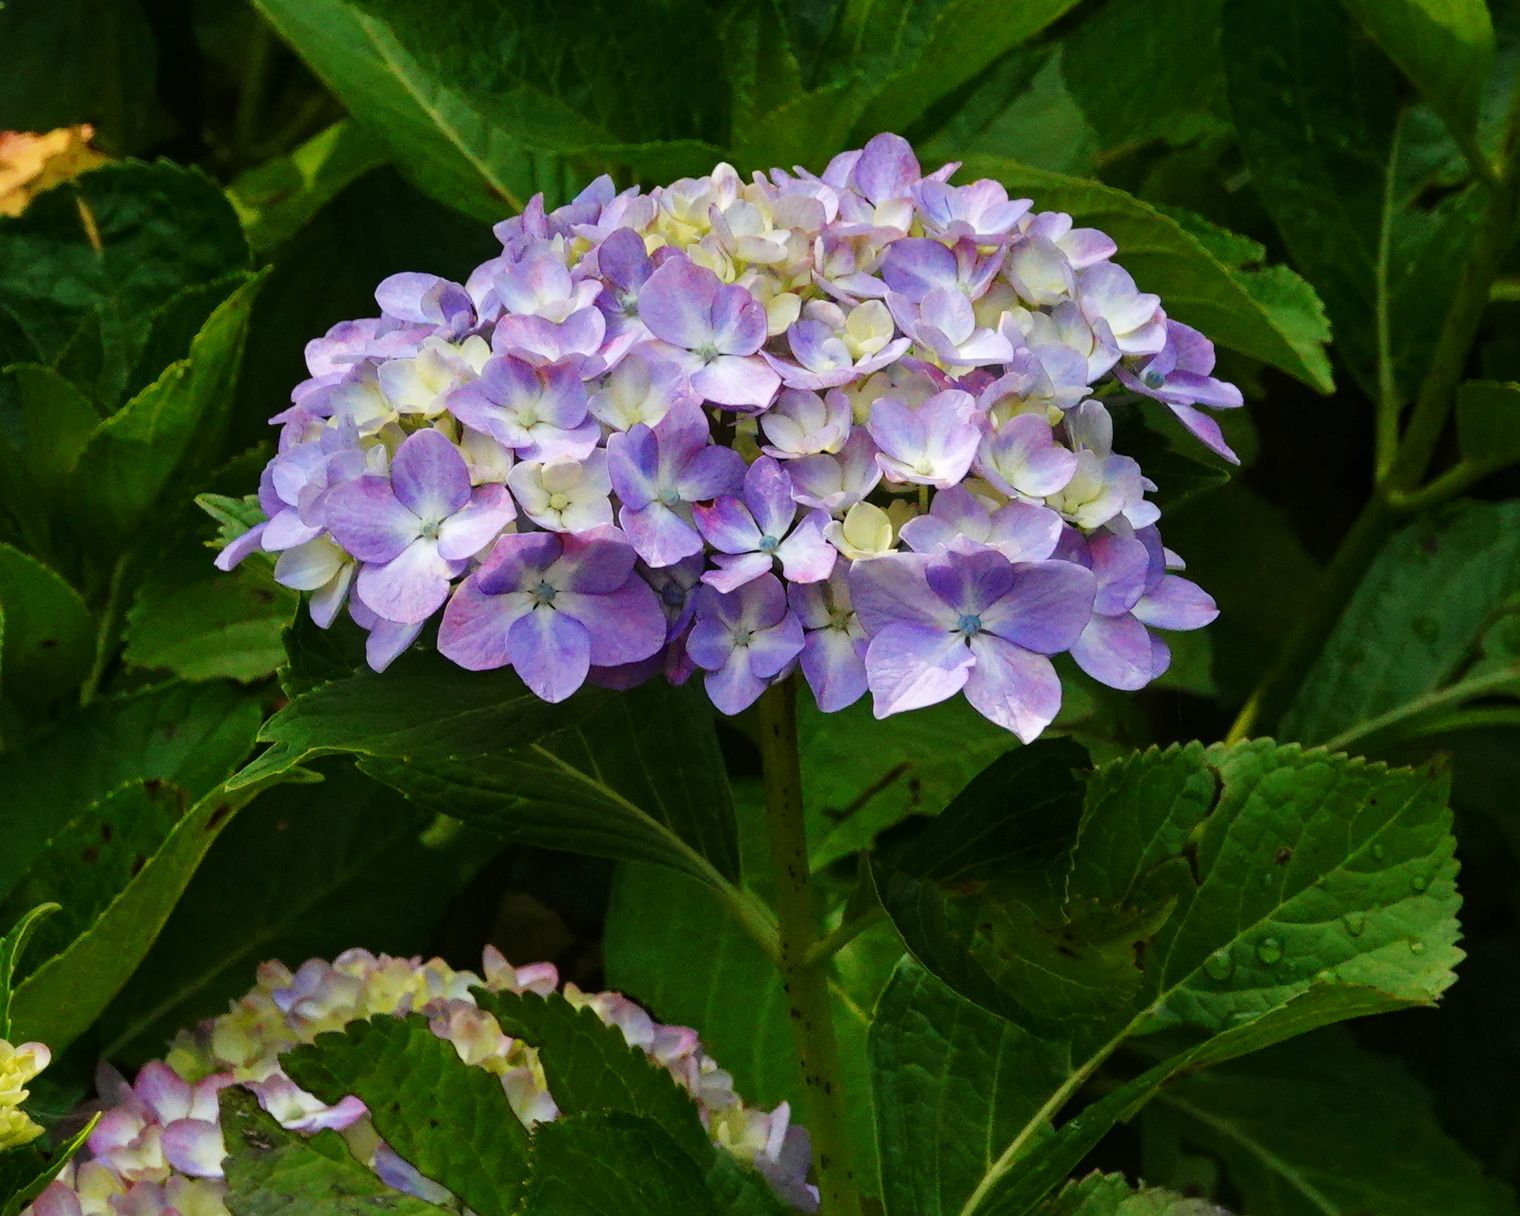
{"type": "Point", "coordinates": [158, 1150]}
{"type": "Point", "coordinates": [805, 422]}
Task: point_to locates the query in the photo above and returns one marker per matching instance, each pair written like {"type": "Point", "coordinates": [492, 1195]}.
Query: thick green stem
{"type": "Point", "coordinates": [805, 983]}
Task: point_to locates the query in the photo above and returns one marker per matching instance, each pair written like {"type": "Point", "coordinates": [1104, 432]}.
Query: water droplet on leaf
{"type": "Point", "coordinates": [1269, 950]}
{"type": "Point", "coordinates": [1379, 852]}
{"type": "Point", "coordinates": [1219, 964]}
{"type": "Point", "coordinates": [1416, 946]}
{"type": "Point", "coordinates": [1419, 883]}
{"type": "Point", "coordinates": [1355, 922]}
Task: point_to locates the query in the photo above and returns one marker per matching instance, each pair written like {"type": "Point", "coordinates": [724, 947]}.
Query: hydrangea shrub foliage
{"type": "Point", "coordinates": [759, 592]}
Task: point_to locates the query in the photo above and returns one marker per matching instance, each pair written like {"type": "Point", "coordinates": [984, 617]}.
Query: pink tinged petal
{"type": "Point", "coordinates": [387, 641]}
{"type": "Point", "coordinates": [732, 686]}
{"type": "Point", "coordinates": [194, 1147]}
{"type": "Point", "coordinates": [1013, 687]}
{"type": "Point", "coordinates": [727, 525]}
{"type": "Point", "coordinates": [1116, 651]}
{"type": "Point", "coordinates": [408, 588]}
{"type": "Point", "coordinates": [1206, 429]}
{"type": "Point", "coordinates": [909, 667]}
{"type": "Point", "coordinates": [429, 476]}
{"type": "Point", "coordinates": [660, 536]}
{"type": "Point", "coordinates": [167, 1094]}
{"type": "Point", "coordinates": [625, 625]}
{"type": "Point", "coordinates": [57, 1200]}
{"type": "Point", "coordinates": [834, 665]}
{"type": "Point", "coordinates": [735, 570]}
{"type": "Point", "coordinates": [1177, 603]}
{"type": "Point", "coordinates": [745, 382]}
{"type": "Point", "coordinates": [240, 547]}
{"type": "Point", "coordinates": [551, 651]}
{"type": "Point", "coordinates": [474, 629]}
{"type": "Point", "coordinates": [368, 520]}
{"type": "Point", "coordinates": [468, 531]}
{"type": "Point", "coordinates": [738, 321]}
{"type": "Point", "coordinates": [676, 303]}
{"type": "Point", "coordinates": [595, 563]}
{"type": "Point", "coordinates": [1049, 606]}
{"type": "Point", "coordinates": [893, 590]}
{"type": "Point", "coordinates": [806, 555]}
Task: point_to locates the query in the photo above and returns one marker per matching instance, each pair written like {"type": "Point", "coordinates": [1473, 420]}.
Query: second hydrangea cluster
{"type": "Point", "coordinates": [158, 1148]}
{"type": "Point", "coordinates": [855, 422]}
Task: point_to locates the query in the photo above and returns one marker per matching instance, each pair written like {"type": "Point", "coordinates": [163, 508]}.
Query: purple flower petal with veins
{"type": "Point", "coordinates": [743, 640]}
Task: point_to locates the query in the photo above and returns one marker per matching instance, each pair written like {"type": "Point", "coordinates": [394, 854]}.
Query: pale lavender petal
{"type": "Point", "coordinates": [972, 581]}
{"type": "Point", "coordinates": [738, 321]}
{"type": "Point", "coordinates": [916, 266]}
{"type": "Point", "coordinates": [740, 381]}
{"type": "Point", "coordinates": [710, 472]}
{"type": "Point", "coordinates": [1177, 603]}
{"type": "Point", "coordinates": [727, 525]}
{"type": "Point", "coordinates": [909, 666]}
{"type": "Point", "coordinates": [1048, 608]}
{"type": "Point", "coordinates": [806, 555]}
{"type": "Point", "coordinates": [1013, 687]}
{"type": "Point", "coordinates": [593, 563]}
{"type": "Point", "coordinates": [734, 570]}
{"type": "Point", "coordinates": [468, 531]}
{"type": "Point", "coordinates": [240, 547]}
{"type": "Point", "coordinates": [773, 648]}
{"type": "Point", "coordinates": [1120, 564]}
{"type": "Point", "coordinates": [1206, 429]}
{"type": "Point", "coordinates": [894, 590]}
{"type": "Point", "coordinates": [430, 477]}
{"type": "Point", "coordinates": [625, 625]}
{"type": "Point", "coordinates": [517, 562]}
{"type": "Point", "coordinates": [659, 535]}
{"type": "Point", "coordinates": [676, 303]}
{"type": "Point", "coordinates": [473, 633]}
{"type": "Point", "coordinates": [386, 642]}
{"type": "Point", "coordinates": [834, 665]}
{"type": "Point", "coordinates": [194, 1147]}
{"type": "Point", "coordinates": [633, 462]}
{"type": "Point", "coordinates": [887, 168]}
{"type": "Point", "coordinates": [768, 495]}
{"type": "Point", "coordinates": [366, 518]}
{"type": "Point", "coordinates": [410, 587]}
{"type": "Point", "coordinates": [732, 686]}
{"type": "Point", "coordinates": [551, 651]}
{"type": "Point", "coordinates": [1116, 651]}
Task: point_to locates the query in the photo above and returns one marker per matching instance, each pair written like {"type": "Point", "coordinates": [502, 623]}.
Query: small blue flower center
{"type": "Point", "coordinates": [742, 637]}
{"type": "Point", "coordinates": [670, 496]}
{"type": "Point", "coordinates": [707, 352]}
{"type": "Point", "coordinates": [769, 544]}
{"type": "Point", "coordinates": [430, 529]}
{"type": "Point", "coordinates": [970, 624]}
{"type": "Point", "coordinates": [543, 595]}
{"type": "Point", "coordinates": [1153, 379]}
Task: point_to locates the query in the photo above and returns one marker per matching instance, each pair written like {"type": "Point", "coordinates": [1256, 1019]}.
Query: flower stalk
{"type": "Point", "coordinates": [804, 974]}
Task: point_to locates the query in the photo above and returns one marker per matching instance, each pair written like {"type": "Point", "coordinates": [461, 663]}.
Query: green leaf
{"type": "Point", "coordinates": [633, 776]}
{"type": "Point", "coordinates": [483, 107]}
{"type": "Point", "coordinates": [164, 432]}
{"type": "Point", "coordinates": [187, 736]}
{"type": "Point", "coordinates": [1111, 1195]}
{"type": "Point", "coordinates": [937, 46]}
{"type": "Point", "coordinates": [610, 1163]}
{"type": "Point", "coordinates": [946, 1073]}
{"type": "Point", "coordinates": [342, 861]}
{"type": "Point", "coordinates": [1410, 634]}
{"type": "Point", "coordinates": [276, 198]}
{"type": "Point", "coordinates": [173, 325]}
{"type": "Point", "coordinates": [1362, 190]}
{"type": "Point", "coordinates": [110, 247]}
{"type": "Point", "coordinates": [1446, 47]}
{"type": "Point", "coordinates": [40, 440]}
{"type": "Point", "coordinates": [51, 81]}
{"type": "Point", "coordinates": [450, 1120]}
{"type": "Point", "coordinates": [863, 775]}
{"type": "Point", "coordinates": [1262, 891]}
{"type": "Point", "coordinates": [12, 945]}
{"type": "Point", "coordinates": [195, 621]}
{"type": "Point", "coordinates": [273, 1172]}
{"type": "Point", "coordinates": [589, 1066]}
{"type": "Point", "coordinates": [49, 640]}
{"type": "Point", "coordinates": [61, 999]}
{"type": "Point", "coordinates": [1269, 314]}
{"type": "Point", "coordinates": [1321, 1125]}
{"type": "Point", "coordinates": [1147, 70]}
{"type": "Point", "coordinates": [88, 861]}
{"type": "Point", "coordinates": [1488, 423]}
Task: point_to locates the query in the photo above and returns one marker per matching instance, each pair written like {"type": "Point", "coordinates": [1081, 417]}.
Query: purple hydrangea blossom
{"type": "Point", "coordinates": [550, 606]}
{"type": "Point", "coordinates": [658, 423]}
